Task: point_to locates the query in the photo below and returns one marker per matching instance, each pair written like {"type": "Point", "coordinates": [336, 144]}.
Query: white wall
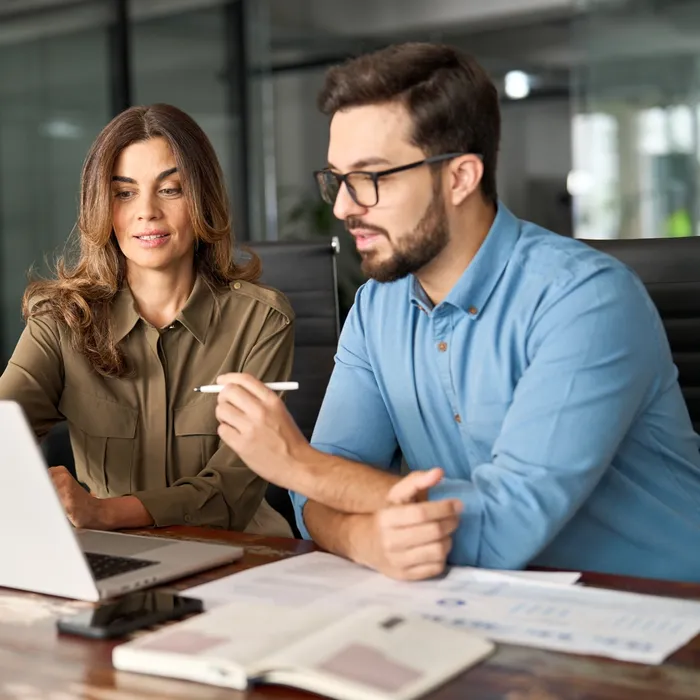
{"type": "Point", "coordinates": [536, 154]}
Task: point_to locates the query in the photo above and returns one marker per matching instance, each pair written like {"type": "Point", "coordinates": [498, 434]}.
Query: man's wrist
{"type": "Point", "coordinates": [302, 470]}
{"type": "Point", "coordinates": [356, 536]}
{"type": "Point", "coordinates": [345, 534]}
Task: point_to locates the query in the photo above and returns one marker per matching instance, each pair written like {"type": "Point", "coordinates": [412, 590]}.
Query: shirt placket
{"type": "Point", "coordinates": [443, 336]}
{"type": "Point", "coordinates": [156, 421]}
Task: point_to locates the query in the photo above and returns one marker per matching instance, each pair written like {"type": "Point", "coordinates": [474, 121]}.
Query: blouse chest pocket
{"type": "Point", "coordinates": [103, 437]}
{"type": "Point", "coordinates": [196, 433]}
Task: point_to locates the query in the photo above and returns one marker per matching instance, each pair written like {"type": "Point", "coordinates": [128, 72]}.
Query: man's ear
{"type": "Point", "coordinates": [465, 173]}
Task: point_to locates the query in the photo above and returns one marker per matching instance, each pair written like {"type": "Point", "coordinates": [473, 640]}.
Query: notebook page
{"type": "Point", "coordinates": [377, 654]}
{"type": "Point", "coordinates": [222, 647]}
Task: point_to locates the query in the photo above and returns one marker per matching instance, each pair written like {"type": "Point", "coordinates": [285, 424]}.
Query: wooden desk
{"type": "Point", "coordinates": [36, 663]}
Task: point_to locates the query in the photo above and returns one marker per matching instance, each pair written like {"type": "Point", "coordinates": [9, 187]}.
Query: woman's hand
{"type": "Point", "coordinates": [86, 511]}
{"type": "Point", "coordinates": [82, 508]}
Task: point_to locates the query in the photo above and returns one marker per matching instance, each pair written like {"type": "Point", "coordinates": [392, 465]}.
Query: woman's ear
{"type": "Point", "coordinates": [465, 173]}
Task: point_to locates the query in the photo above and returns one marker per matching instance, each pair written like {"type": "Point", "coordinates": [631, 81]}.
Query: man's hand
{"type": "Point", "coordinates": [256, 425]}
{"type": "Point", "coordinates": [410, 538]}
{"type": "Point", "coordinates": [83, 509]}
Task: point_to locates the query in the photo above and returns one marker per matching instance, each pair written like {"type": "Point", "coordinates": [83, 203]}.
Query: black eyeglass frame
{"type": "Point", "coordinates": [342, 179]}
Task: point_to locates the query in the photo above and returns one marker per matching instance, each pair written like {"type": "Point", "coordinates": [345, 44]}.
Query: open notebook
{"type": "Point", "coordinates": [369, 654]}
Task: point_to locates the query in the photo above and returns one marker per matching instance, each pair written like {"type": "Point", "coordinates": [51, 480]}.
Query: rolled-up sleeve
{"type": "Point", "coordinates": [34, 376]}
{"type": "Point", "coordinates": [226, 494]}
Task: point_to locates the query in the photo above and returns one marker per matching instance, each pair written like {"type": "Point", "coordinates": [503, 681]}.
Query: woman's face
{"type": "Point", "coordinates": [149, 210]}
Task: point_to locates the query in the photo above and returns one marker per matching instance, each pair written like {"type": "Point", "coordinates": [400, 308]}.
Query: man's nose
{"type": "Point", "coordinates": [345, 205]}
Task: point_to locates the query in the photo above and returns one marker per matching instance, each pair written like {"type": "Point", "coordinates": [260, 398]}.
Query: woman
{"type": "Point", "coordinates": [153, 307]}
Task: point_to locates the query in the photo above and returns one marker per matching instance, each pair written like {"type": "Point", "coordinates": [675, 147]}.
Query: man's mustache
{"type": "Point", "coordinates": [352, 223]}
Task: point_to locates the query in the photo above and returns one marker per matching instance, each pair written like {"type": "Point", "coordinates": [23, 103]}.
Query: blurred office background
{"type": "Point", "coordinates": [600, 107]}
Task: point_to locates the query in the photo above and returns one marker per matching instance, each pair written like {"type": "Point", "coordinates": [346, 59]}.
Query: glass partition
{"type": "Point", "coordinates": [54, 99]}
{"type": "Point", "coordinates": [635, 128]}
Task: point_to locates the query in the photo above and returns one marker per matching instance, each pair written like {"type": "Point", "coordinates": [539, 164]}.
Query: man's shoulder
{"type": "Point", "coordinates": [375, 293]}
{"type": "Point", "coordinates": [379, 308]}
{"type": "Point", "coordinates": [556, 261]}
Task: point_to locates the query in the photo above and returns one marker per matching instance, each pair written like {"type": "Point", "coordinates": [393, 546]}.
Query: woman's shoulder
{"type": "Point", "coordinates": [260, 295]}
{"type": "Point", "coordinates": [42, 323]}
{"type": "Point", "coordinates": [38, 309]}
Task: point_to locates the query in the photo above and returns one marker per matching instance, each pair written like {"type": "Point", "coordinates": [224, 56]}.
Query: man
{"type": "Point", "coordinates": [531, 370]}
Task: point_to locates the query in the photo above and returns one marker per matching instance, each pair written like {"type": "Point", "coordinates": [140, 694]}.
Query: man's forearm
{"type": "Point", "coordinates": [340, 484]}
{"type": "Point", "coordinates": [336, 532]}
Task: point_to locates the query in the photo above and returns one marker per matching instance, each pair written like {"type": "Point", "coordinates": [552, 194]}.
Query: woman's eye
{"type": "Point", "coordinates": [171, 191]}
{"type": "Point", "coordinates": [123, 194]}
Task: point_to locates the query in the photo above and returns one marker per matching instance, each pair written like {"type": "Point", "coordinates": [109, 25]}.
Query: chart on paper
{"type": "Point", "coordinates": [542, 610]}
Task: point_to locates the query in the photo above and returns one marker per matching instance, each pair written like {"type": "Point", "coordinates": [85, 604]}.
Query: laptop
{"type": "Point", "coordinates": [40, 551]}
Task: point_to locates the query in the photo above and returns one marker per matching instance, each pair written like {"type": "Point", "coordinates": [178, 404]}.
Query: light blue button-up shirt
{"type": "Point", "coordinates": [544, 386]}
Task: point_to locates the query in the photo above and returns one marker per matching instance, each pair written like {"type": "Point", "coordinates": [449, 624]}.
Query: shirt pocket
{"type": "Point", "coordinates": [483, 424]}
{"type": "Point", "coordinates": [196, 432]}
{"type": "Point", "coordinates": [103, 437]}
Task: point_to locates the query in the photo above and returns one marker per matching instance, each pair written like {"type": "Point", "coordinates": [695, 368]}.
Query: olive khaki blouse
{"type": "Point", "coordinates": [149, 434]}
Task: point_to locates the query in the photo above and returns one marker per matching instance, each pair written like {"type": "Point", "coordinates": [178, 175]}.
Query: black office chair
{"type": "Point", "coordinates": [670, 270]}
{"type": "Point", "coordinates": [306, 272]}
{"type": "Point", "coordinates": [57, 448]}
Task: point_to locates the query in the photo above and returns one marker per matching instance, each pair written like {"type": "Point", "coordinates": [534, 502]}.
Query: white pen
{"type": "Point", "coordinates": [275, 386]}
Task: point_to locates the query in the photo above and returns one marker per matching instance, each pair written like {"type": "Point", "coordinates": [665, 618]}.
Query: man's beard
{"type": "Point", "coordinates": [414, 250]}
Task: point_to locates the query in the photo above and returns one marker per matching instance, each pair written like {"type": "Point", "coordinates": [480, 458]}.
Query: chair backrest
{"type": "Point", "coordinates": [670, 270]}
{"type": "Point", "coordinates": [57, 449]}
{"type": "Point", "coordinates": [305, 271]}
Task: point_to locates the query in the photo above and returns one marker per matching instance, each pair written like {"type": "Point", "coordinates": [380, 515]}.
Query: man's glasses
{"type": "Point", "coordinates": [363, 186]}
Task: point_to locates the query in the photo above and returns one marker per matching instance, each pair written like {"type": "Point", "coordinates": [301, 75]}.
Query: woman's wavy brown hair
{"type": "Point", "coordinates": [81, 293]}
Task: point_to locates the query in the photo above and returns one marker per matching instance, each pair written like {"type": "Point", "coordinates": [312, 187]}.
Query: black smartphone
{"type": "Point", "coordinates": [129, 613]}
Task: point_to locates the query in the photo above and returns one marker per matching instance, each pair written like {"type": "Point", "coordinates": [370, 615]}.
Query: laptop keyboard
{"type": "Point", "coordinates": [105, 565]}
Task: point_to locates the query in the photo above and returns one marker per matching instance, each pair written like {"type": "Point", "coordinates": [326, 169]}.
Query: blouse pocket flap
{"type": "Point", "coordinates": [96, 416]}
{"type": "Point", "coordinates": [198, 418]}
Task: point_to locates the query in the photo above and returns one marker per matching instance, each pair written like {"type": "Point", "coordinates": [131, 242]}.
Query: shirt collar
{"type": "Point", "coordinates": [196, 315]}
{"type": "Point", "coordinates": [474, 287]}
{"type": "Point", "coordinates": [124, 313]}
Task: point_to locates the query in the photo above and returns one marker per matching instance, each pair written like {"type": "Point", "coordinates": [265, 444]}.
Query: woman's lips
{"type": "Point", "coordinates": [153, 239]}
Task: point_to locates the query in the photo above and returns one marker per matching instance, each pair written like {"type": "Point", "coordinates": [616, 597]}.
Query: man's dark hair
{"type": "Point", "coordinates": [450, 98]}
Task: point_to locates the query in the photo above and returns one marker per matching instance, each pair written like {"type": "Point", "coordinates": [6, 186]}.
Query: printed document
{"type": "Point", "coordinates": [525, 608]}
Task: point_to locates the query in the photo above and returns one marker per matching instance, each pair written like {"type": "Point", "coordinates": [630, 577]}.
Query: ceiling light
{"type": "Point", "coordinates": [517, 84]}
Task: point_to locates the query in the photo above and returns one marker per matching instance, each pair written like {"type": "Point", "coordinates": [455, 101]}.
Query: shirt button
{"type": "Point", "coordinates": [236, 285]}
{"type": "Point", "coordinates": [458, 418]}
{"type": "Point", "coordinates": [472, 311]}
{"type": "Point", "coordinates": [442, 346]}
